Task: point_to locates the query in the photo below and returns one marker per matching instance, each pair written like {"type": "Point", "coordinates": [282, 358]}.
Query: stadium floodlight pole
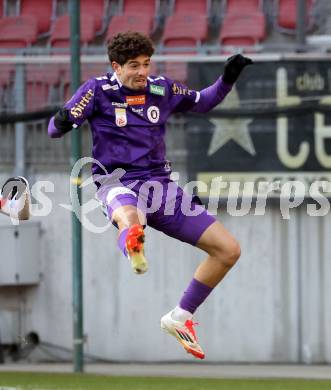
{"type": "Point", "coordinates": [301, 26]}
{"type": "Point", "coordinates": [76, 148]}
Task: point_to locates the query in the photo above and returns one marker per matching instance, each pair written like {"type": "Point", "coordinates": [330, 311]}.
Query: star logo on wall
{"type": "Point", "coordinates": [231, 129]}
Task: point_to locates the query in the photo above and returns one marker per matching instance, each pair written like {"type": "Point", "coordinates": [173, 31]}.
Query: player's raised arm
{"type": "Point", "coordinates": [213, 95]}
{"type": "Point", "coordinates": [74, 112]}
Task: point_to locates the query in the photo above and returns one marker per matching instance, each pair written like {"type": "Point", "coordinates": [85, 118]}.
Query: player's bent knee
{"type": "Point", "coordinates": [230, 254]}
{"type": "Point", "coordinates": [234, 253]}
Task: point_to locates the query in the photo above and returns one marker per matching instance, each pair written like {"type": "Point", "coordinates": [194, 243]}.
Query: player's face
{"type": "Point", "coordinates": [133, 74]}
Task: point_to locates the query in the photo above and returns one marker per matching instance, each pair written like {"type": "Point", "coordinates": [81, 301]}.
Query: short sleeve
{"type": "Point", "coordinates": [81, 105]}
{"type": "Point", "coordinates": [182, 99]}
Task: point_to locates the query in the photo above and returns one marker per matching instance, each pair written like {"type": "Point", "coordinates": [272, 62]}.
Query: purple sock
{"type": "Point", "coordinates": [194, 295]}
{"type": "Point", "coordinates": [121, 241]}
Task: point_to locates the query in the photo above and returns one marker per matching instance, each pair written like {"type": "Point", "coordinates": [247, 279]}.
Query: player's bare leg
{"type": "Point", "coordinates": [15, 198]}
{"type": "Point", "coordinates": [130, 221]}
{"type": "Point", "coordinates": [223, 252]}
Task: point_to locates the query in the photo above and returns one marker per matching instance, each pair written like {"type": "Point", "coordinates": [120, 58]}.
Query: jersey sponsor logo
{"type": "Point", "coordinates": [157, 90]}
{"type": "Point", "coordinates": [78, 109]}
{"type": "Point", "coordinates": [136, 100]}
{"type": "Point", "coordinates": [120, 105]}
{"type": "Point", "coordinates": [153, 114]}
{"type": "Point", "coordinates": [105, 87]}
{"type": "Point", "coordinates": [120, 117]}
{"type": "Point", "coordinates": [177, 90]}
{"type": "Point", "coordinates": [139, 111]}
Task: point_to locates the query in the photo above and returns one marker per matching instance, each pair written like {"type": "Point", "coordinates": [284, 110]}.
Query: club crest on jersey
{"type": "Point", "coordinates": [153, 114]}
{"type": "Point", "coordinates": [120, 117]}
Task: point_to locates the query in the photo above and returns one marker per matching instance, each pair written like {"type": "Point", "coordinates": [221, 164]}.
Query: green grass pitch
{"type": "Point", "coordinates": [34, 381]}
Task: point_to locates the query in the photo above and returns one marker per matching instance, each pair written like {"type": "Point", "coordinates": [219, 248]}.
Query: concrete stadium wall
{"type": "Point", "coordinates": [274, 306]}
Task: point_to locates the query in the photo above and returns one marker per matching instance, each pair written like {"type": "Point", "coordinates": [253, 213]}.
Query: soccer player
{"type": "Point", "coordinates": [127, 111]}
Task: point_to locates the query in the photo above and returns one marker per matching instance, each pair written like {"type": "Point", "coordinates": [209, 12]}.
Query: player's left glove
{"type": "Point", "coordinates": [233, 67]}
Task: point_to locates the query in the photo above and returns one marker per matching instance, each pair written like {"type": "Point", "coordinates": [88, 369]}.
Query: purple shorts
{"type": "Point", "coordinates": [163, 203]}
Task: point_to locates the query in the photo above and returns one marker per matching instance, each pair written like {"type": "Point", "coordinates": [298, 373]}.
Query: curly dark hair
{"type": "Point", "coordinates": [128, 45]}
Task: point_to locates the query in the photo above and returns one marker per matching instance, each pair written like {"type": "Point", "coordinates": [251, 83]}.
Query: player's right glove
{"type": "Point", "coordinates": [233, 67]}
{"type": "Point", "coordinates": [61, 120]}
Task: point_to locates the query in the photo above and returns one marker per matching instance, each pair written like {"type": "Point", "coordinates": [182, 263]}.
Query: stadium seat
{"type": "Point", "coordinates": [243, 6]}
{"type": "Point", "coordinates": [60, 36]}
{"type": "Point", "coordinates": [243, 29]}
{"type": "Point", "coordinates": [244, 24]}
{"type": "Point", "coordinates": [188, 7]}
{"type": "Point", "coordinates": [146, 7]}
{"type": "Point", "coordinates": [40, 82]}
{"type": "Point", "coordinates": [41, 10]}
{"type": "Point", "coordinates": [1, 9]}
{"type": "Point", "coordinates": [179, 38]}
{"type": "Point", "coordinates": [137, 15]}
{"type": "Point", "coordinates": [18, 31]}
{"type": "Point", "coordinates": [140, 22]}
{"type": "Point", "coordinates": [97, 9]}
{"type": "Point", "coordinates": [287, 14]}
{"type": "Point", "coordinates": [178, 31]}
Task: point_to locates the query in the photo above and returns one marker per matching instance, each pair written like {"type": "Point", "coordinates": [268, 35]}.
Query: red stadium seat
{"type": "Point", "coordinates": [243, 29]}
{"type": "Point", "coordinates": [1, 9]}
{"type": "Point", "coordinates": [243, 6]}
{"type": "Point", "coordinates": [120, 23]}
{"type": "Point", "coordinates": [185, 7]}
{"type": "Point", "coordinates": [178, 31]}
{"type": "Point", "coordinates": [40, 79]}
{"type": "Point", "coordinates": [95, 8]}
{"type": "Point", "coordinates": [244, 23]}
{"type": "Point", "coordinates": [180, 38]}
{"type": "Point", "coordinates": [18, 31]}
{"type": "Point", "coordinates": [146, 7]}
{"type": "Point", "coordinates": [287, 14]}
{"type": "Point", "coordinates": [60, 36]}
{"type": "Point", "coordinates": [41, 10]}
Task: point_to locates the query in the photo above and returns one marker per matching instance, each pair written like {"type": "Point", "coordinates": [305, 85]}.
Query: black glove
{"type": "Point", "coordinates": [61, 120]}
{"type": "Point", "coordinates": [233, 67]}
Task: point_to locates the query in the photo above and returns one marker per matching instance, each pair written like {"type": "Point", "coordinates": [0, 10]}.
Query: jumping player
{"type": "Point", "coordinates": [127, 112]}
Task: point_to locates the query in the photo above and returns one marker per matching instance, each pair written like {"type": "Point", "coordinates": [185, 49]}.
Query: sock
{"type": "Point", "coordinates": [121, 241]}
{"type": "Point", "coordinates": [181, 315]}
{"type": "Point", "coordinates": [194, 296]}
